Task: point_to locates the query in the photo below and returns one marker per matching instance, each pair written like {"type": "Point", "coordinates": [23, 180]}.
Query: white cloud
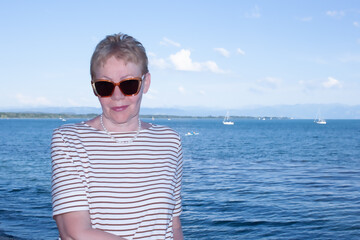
{"type": "Point", "coordinates": [181, 89]}
{"type": "Point", "coordinates": [356, 24]}
{"type": "Point", "coordinates": [222, 51]}
{"type": "Point", "coordinates": [331, 13]}
{"type": "Point", "coordinates": [73, 103]}
{"type": "Point", "coordinates": [159, 63]}
{"type": "Point", "coordinates": [183, 62]}
{"type": "Point", "coordinates": [307, 85]}
{"type": "Point", "coordinates": [202, 92]}
{"type": "Point", "coordinates": [151, 54]}
{"type": "Point", "coordinates": [239, 51]}
{"type": "Point", "coordinates": [167, 42]}
{"type": "Point", "coordinates": [270, 82]}
{"type": "Point", "coordinates": [153, 91]}
{"type": "Point", "coordinates": [331, 83]}
{"type": "Point", "coordinates": [212, 66]}
{"type": "Point", "coordinates": [255, 13]}
{"type": "Point", "coordinates": [151, 94]}
{"type": "Point", "coordinates": [335, 13]}
{"type": "Point", "coordinates": [306, 19]}
{"type": "Point", "coordinates": [32, 101]}
{"type": "Point", "coordinates": [318, 60]}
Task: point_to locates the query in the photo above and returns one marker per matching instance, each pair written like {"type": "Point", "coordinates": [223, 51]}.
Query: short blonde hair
{"type": "Point", "coordinates": [121, 46]}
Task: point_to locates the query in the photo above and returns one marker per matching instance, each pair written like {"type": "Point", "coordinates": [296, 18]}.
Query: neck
{"type": "Point", "coordinates": [117, 140]}
{"type": "Point", "coordinates": [133, 125]}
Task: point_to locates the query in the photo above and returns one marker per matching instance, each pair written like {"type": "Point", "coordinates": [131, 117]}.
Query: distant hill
{"type": "Point", "coordinates": [304, 111]}
{"type": "Point", "coordinates": [299, 111]}
{"type": "Point", "coordinates": [62, 116]}
{"type": "Point", "coordinates": [55, 110]}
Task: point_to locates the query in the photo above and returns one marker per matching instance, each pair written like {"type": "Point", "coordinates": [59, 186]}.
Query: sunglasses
{"type": "Point", "coordinates": [128, 86]}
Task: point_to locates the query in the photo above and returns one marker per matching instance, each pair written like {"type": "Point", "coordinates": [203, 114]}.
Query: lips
{"type": "Point", "coordinates": [120, 108]}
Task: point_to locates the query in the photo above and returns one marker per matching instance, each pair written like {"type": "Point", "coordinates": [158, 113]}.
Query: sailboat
{"type": "Point", "coordinates": [62, 119]}
{"type": "Point", "coordinates": [319, 120]}
{"type": "Point", "coordinates": [226, 120]}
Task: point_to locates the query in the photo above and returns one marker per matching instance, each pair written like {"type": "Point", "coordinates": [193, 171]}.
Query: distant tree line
{"type": "Point", "coordinates": [92, 115]}
{"type": "Point", "coordinates": [44, 115]}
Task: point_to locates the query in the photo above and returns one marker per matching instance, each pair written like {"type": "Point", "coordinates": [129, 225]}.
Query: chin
{"type": "Point", "coordinates": [120, 117]}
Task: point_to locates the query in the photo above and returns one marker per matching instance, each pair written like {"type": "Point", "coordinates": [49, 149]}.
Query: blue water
{"type": "Point", "coordinates": [279, 179]}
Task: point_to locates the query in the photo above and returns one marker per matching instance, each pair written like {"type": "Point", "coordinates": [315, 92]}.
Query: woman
{"type": "Point", "coordinates": [116, 177]}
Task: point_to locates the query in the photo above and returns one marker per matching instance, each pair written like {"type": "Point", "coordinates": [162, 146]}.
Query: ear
{"type": "Point", "coordinates": [147, 82]}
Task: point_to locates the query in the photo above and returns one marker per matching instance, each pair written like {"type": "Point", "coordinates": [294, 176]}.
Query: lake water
{"type": "Point", "coordinates": [278, 179]}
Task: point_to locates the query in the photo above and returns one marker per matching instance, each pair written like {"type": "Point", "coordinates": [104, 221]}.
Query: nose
{"type": "Point", "coordinates": [117, 94]}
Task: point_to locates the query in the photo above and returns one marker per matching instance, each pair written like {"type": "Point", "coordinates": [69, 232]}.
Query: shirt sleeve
{"type": "Point", "coordinates": [178, 188]}
{"type": "Point", "coordinates": [68, 188]}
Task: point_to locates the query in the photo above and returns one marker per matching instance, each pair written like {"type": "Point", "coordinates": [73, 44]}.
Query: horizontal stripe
{"type": "Point", "coordinates": [130, 190]}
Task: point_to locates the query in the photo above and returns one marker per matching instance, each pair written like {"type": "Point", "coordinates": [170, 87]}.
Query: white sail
{"type": "Point", "coordinates": [319, 120]}
{"type": "Point", "coordinates": [226, 120]}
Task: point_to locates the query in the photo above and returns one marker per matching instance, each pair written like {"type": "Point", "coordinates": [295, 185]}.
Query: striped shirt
{"type": "Point", "coordinates": [132, 191]}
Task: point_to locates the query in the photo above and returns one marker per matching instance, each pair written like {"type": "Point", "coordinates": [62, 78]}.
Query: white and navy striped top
{"type": "Point", "coordinates": [132, 191]}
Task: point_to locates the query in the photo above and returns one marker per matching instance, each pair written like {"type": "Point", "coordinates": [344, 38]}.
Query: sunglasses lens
{"type": "Point", "coordinates": [130, 87]}
{"type": "Point", "coordinates": [104, 89]}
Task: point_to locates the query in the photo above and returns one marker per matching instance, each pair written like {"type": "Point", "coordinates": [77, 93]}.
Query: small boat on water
{"type": "Point", "coordinates": [319, 120]}
{"type": "Point", "coordinates": [191, 133]}
{"type": "Point", "coordinates": [226, 120]}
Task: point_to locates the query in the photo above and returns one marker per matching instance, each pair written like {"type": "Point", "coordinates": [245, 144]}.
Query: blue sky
{"type": "Point", "coordinates": [216, 54]}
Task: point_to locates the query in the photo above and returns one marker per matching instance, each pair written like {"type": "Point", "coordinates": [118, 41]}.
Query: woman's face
{"type": "Point", "coordinates": [120, 110]}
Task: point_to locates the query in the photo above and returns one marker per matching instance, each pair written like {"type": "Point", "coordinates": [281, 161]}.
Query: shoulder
{"type": "Point", "coordinates": [71, 129]}
{"type": "Point", "coordinates": [72, 126]}
{"type": "Point", "coordinates": [163, 133]}
{"type": "Point", "coordinates": [161, 129]}
{"type": "Point", "coordinates": [70, 134]}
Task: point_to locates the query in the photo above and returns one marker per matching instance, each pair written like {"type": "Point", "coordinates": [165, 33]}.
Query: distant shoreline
{"type": "Point", "coordinates": [24, 115]}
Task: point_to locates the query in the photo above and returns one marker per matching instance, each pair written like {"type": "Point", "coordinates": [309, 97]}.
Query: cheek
{"type": "Point", "coordinates": [104, 101]}
{"type": "Point", "coordinates": [139, 97]}
{"type": "Point", "coordinates": [134, 100]}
